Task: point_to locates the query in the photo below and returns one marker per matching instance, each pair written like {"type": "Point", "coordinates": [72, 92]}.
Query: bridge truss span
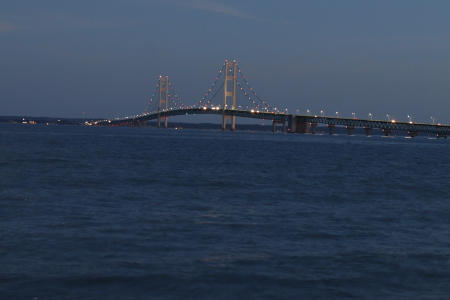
{"type": "Point", "coordinates": [302, 124]}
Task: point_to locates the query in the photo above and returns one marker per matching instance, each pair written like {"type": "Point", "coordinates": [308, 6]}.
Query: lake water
{"type": "Point", "coordinates": [141, 213]}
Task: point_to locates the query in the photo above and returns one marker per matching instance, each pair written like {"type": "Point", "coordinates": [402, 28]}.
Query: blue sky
{"type": "Point", "coordinates": [63, 58]}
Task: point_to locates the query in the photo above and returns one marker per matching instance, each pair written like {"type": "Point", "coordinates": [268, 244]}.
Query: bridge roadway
{"type": "Point", "coordinates": [296, 123]}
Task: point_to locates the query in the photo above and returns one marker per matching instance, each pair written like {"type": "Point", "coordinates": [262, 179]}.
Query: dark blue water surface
{"type": "Point", "coordinates": [140, 213]}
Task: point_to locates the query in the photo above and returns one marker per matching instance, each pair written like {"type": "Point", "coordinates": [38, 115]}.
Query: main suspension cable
{"type": "Point", "coordinates": [151, 100]}
{"type": "Point", "coordinates": [209, 91]}
{"type": "Point", "coordinates": [181, 104]}
{"type": "Point", "coordinates": [266, 106]}
{"type": "Point", "coordinates": [220, 88]}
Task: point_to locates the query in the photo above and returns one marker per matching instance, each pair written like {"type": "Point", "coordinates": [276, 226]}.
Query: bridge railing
{"type": "Point", "coordinates": [388, 125]}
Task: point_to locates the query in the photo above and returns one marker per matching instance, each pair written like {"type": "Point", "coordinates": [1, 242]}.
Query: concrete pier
{"type": "Point", "coordinates": [350, 129]}
{"type": "Point", "coordinates": [387, 132]}
{"type": "Point", "coordinates": [314, 128]}
{"type": "Point", "coordinates": [299, 124]}
{"type": "Point", "coordinates": [162, 118]}
{"type": "Point", "coordinates": [137, 123]}
{"type": "Point", "coordinates": [413, 133]}
{"type": "Point", "coordinates": [368, 130]}
{"type": "Point", "coordinates": [331, 127]}
{"type": "Point", "coordinates": [274, 125]}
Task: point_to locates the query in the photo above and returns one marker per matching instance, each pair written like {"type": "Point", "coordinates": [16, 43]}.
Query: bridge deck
{"type": "Point", "coordinates": [442, 130]}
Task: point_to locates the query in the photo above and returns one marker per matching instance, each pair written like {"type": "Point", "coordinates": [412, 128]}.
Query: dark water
{"type": "Point", "coordinates": [127, 213]}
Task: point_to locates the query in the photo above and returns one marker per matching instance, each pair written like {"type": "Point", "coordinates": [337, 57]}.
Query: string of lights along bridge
{"type": "Point", "coordinates": [220, 99]}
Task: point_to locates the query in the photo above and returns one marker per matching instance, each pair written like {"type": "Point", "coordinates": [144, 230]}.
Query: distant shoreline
{"type": "Point", "coordinates": [44, 120]}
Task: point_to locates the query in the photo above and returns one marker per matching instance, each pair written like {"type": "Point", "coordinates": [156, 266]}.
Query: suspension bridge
{"type": "Point", "coordinates": [165, 103]}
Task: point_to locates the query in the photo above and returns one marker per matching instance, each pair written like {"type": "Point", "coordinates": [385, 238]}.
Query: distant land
{"type": "Point", "coordinates": [177, 125]}
{"type": "Point", "coordinates": [43, 120]}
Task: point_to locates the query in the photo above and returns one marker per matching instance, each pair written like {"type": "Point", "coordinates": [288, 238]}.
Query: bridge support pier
{"type": "Point", "coordinates": [158, 122]}
{"type": "Point", "coordinates": [298, 124]}
{"type": "Point", "coordinates": [350, 129]}
{"type": "Point", "coordinates": [413, 133]}
{"type": "Point", "coordinates": [137, 123]}
{"type": "Point", "coordinates": [314, 128]}
{"type": "Point", "coordinates": [368, 130]}
{"type": "Point", "coordinates": [439, 135]}
{"type": "Point", "coordinates": [274, 125]}
{"type": "Point", "coordinates": [224, 122]}
{"type": "Point", "coordinates": [387, 132]}
{"type": "Point", "coordinates": [331, 127]}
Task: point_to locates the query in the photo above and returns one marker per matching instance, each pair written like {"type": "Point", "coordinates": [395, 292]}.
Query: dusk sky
{"type": "Point", "coordinates": [63, 58]}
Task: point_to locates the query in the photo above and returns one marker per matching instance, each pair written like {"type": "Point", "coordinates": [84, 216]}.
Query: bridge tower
{"type": "Point", "coordinates": [163, 99]}
{"type": "Point", "coordinates": [229, 88]}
